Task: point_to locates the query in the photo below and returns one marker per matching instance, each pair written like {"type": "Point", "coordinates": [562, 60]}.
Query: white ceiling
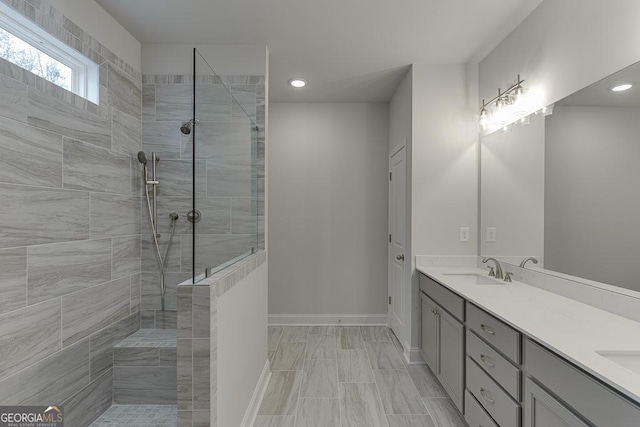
{"type": "Point", "coordinates": [349, 50]}
{"type": "Point", "coordinates": [599, 94]}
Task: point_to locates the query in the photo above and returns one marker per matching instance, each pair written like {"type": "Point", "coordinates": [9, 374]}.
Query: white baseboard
{"type": "Point", "coordinates": [328, 319]}
{"type": "Point", "coordinates": [413, 357]}
{"type": "Point", "coordinates": [252, 410]}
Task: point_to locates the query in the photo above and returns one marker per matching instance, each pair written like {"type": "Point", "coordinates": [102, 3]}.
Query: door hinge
{"type": "Point", "coordinates": [389, 300]}
{"type": "Point", "coordinates": [389, 176]}
{"type": "Point", "coordinates": [389, 238]}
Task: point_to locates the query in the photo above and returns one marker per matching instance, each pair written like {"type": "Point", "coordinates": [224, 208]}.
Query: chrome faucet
{"type": "Point", "coordinates": [524, 261]}
{"type": "Point", "coordinates": [498, 273]}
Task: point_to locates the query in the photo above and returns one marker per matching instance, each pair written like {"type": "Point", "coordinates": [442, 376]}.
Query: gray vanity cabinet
{"type": "Point", "coordinates": [543, 410]}
{"type": "Point", "coordinates": [511, 380]}
{"type": "Point", "coordinates": [429, 346]}
{"type": "Point", "coordinates": [451, 371]}
{"type": "Point", "coordinates": [442, 343]}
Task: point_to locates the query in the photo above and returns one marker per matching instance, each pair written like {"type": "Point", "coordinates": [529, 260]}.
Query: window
{"type": "Point", "coordinates": [28, 46]}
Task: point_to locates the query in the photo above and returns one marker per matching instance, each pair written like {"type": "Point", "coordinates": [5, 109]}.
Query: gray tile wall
{"type": "Point", "coordinates": [197, 350]}
{"type": "Point", "coordinates": [70, 246]}
{"type": "Point", "coordinates": [223, 178]}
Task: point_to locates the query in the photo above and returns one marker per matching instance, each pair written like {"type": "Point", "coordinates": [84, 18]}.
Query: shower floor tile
{"type": "Point", "coordinates": [151, 338]}
{"type": "Point", "coordinates": [138, 416]}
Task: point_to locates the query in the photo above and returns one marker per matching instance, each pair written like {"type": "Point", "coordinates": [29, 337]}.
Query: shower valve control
{"type": "Point", "coordinates": [194, 215]}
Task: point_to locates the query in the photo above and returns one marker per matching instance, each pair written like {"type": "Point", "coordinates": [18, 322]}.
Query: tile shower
{"type": "Point", "coordinates": [223, 179]}
{"type": "Point", "coordinates": [77, 275]}
{"type": "Point", "coordinates": [70, 219]}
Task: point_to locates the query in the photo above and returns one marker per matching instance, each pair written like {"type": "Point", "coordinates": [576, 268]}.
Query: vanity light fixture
{"type": "Point", "coordinates": [297, 82]}
{"type": "Point", "coordinates": [546, 110]}
{"type": "Point", "coordinates": [622, 87]}
{"type": "Point", "coordinates": [508, 107]}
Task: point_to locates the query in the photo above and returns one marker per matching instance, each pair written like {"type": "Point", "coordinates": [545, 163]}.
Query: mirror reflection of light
{"type": "Point", "coordinates": [622, 87]}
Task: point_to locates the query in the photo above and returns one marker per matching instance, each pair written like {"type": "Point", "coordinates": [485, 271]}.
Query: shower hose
{"type": "Point", "coordinates": [162, 262]}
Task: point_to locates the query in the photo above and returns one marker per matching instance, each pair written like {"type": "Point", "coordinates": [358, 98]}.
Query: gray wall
{"type": "Point", "coordinates": [70, 228]}
{"type": "Point", "coordinates": [223, 178]}
{"type": "Point", "coordinates": [592, 201]}
{"type": "Point", "coordinates": [328, 189]}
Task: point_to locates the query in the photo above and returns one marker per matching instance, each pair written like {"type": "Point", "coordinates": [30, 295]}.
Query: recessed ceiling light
{"type": "Point", "coordinates": [622, 88]}
{"type": "Point", "coordinates": [298, 83]}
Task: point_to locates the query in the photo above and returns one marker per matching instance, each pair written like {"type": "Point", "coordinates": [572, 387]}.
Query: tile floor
{"type": "Point", "coordinates": [138, 416]}
{"type": "Point", "coordinates": [346, 377]}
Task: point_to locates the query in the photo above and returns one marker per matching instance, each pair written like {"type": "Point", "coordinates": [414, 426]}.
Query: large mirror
{"type": "Point", "coordinates": [565, 188]}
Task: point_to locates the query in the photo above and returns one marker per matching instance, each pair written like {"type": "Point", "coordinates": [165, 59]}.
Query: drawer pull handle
{"type": "Point", "coordinates": [487, 398]}
{"type": "Point", "coordinates": [487, 361]}
{"type": "Point", "coordinates": [487, 329]}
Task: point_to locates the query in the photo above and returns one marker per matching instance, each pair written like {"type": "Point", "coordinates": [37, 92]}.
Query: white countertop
{"type": "Point", "coordinates": [572, 329]}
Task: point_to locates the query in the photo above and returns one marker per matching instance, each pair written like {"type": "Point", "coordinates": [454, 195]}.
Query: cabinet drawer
{"type": "Point", "coordinates": [588, 397]}
{"type": "Point", "coordinates": [474, 414]}
{"type": "Point", "coordinates": [498, 367]}
{"type": "Point", "coordinates": [502, 408]}
{"type": "Point", "coordinates": [495, 332]}
{"type": "Point", "coordinates": [443, 296]}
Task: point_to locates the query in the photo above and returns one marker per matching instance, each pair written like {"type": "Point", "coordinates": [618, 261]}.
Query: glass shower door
{"type": "Point", "coordinates": [223, 143]}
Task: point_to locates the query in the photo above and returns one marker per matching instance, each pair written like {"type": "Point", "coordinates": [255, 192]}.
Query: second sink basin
{"type": "Point", "coordinates": [627, 359]}
{"type": "Point", "coordinates": [473, 279]}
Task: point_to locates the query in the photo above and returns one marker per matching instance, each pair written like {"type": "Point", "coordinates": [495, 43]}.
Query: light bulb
{"type": "Point", "coordinates": [484, 119]}
{"type": "Point", "coordinates": [622, 87]}
{"type": "Point", "coordinates": [298, 83]}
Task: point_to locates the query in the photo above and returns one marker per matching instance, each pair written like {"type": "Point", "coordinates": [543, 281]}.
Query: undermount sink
{"type": "Point", "coordinates": [474, 279]}
{"type": "Point", "coordinates": [627, 359]}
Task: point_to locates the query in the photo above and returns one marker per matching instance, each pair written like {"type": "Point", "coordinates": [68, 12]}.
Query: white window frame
{"type": "Point", "coordinates": [84, 72]}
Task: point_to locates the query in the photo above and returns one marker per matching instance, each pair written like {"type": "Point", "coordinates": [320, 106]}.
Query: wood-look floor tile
{"type": "Point", "coordinates": [375, 333]}
{"type": "Point", "coordinates": [318, 413]}
{"type": "Point", "coordinates": [320, 378]}
{"type": "Point", "coordinates": [398, 393]}
{"type": "Point", "coordinates": [323, 330]}
{"type": "Point", "coordinates": [426, 382]}
{"type": "Point", "coordinates": [281, 396]}
{"type": "Point", "coordinates": [321, 347]}
{"type": "Point", "coordinates": [294, 334]}
{"type": "Point", "coordinates": [354, 367]}
{"type": "Point", "coordinates": [444, 413]}
{"type": "Point", "coordinates": [349, 337]}
{"type": "Point", "coordinates": [396, 342]}
{"type": "Point", "coordinates": [383, 355]}
{"type": "Point", "coordinates": [274, 334]}
{"type": "Point", "coordinates": [289, 357]}
{"type": "Point", "coordinates": [410, 421]}
{"type": "Point", "coordinates": [275, 421]}
{"type": "Point", "coordinates": [360, 406]}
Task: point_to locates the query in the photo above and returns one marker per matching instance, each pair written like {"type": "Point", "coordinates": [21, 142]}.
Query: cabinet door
{"type": "Point", "coordinates": [429, 343]}
{"type": "Point", "coordinates": [451, 372]}
{"type": "Point", "coordinates": [542, 410]}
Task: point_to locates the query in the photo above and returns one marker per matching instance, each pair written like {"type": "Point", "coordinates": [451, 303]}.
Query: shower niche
{"type": "Point", "coordinates": [206, 197]}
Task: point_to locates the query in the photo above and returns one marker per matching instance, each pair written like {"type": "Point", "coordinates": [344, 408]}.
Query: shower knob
{"type": "Point", "coordinates": [194, 215]}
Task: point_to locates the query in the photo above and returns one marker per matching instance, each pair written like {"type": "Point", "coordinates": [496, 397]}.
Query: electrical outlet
{"type": "Point", "coordinates": [491, 234]}
{"type": "Point", "coordinates": [464, 234]}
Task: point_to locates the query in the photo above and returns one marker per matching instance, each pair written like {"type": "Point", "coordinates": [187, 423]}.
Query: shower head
{"type": "Point", "coordinates": [142, 158]}
{"type": "Point", "coordinates": [188, 126]}
{"type": "Point", "coordinates": [173, 216]}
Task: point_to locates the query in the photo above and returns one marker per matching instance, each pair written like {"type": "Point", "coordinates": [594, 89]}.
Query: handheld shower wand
{"type": "Point", "coordinates": [153, 219]}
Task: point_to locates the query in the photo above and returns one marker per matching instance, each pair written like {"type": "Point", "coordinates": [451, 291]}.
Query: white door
{"type": "Point", "coordinates": [397, 206]}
